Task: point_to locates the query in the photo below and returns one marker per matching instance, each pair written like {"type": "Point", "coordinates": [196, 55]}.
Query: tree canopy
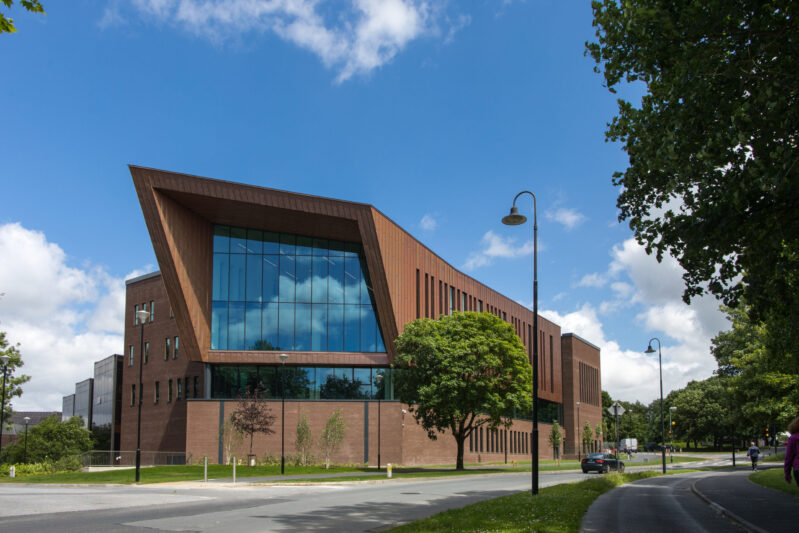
{"type": "Point", "coordinates": [460, 372]}
{"type": "Point", "coordinates": [51, 440]}
{"type": "Point", "coordinates": [7, 24]}
{"type": "Point", "coordinates": [713, 176]}
{"type": "Point", "coordinates": [13, 383]}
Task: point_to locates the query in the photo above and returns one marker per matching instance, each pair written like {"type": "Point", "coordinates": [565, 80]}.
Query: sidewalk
{"type": "Point", "coordinates": [756, 508]}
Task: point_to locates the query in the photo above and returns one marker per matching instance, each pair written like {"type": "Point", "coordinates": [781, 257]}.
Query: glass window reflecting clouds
{"type": "Point", "coordinates": [286, 292]}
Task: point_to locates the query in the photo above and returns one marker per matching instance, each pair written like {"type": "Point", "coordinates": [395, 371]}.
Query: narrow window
{"type": "Point", "coordinates": [146, 352]}
{"type": "Point", "coordinates": [180, 388]}
{"type": "Point", "coordinates": [432, 297]}
{"type": "Point", "coordinates": [130, 359]}
{"type": "Point", "coordinates": [480, 305]}
{"type": "Point", "coordinates": [551, 365]}
{"type": "Point", "coordinates": [471, 442]}
{"type": "Point", "coordinates": [418, 306]}
{"type": "Point", "coordinates": [504, 316]}
{"type": "Point", "coordinates": [152, 310]}
{"type": "Point", "coordinates": [458, 301]}
{"type": "Point", "coordinates": [451, 299]}
{"type": "Point", "coordinates": [440, 299]}
{"type": "Point", "coordinates": [196, 386]}
{"type": "Point", "coordinates": [167, 344]}
{"type": "Point", "coordinates": [132, 395]}
{"type": "Point", "coordinates": [426, 293]}
{"type": "Point", "coordinates": [157, 392]}
{"type": "Point", "coordinates": [171, 312]}
{"type": "Point", "coordinates": [136, 315]}
{"type": "Point", "coordinates": [177, 346]}
{"type": "Point", "coordinates": [169, 393]}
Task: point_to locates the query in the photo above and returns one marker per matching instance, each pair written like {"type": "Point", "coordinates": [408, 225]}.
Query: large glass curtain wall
{"type": "Point", "coordinates": [277, 291]}
{"type": "Point", "coordinates": [302, 383]}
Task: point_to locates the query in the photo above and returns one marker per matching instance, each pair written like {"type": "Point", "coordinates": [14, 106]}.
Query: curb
{"type": "Point", "coordinates": [723, 511]}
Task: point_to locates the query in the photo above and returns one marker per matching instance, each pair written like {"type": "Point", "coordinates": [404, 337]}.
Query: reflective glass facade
{"type": "Point", "coordinates": [302, 383]}
{"type": "Point", "coordinates": [83, 400]}
{"type": "Point", "coordinates": [278, 291]}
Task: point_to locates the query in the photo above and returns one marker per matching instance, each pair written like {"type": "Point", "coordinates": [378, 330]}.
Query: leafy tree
{"type": "Point", "coordinates": [587, 436]}
{"type": "Point", "coordinates": [599, 435]}
{"type": "Point", "coordinates": [713, 147]}
{"type": "Point", "coordinates": [54, 440]}
{"type": "Point", "coordinates": [333, 435]}
{"type": "Point", "coordinates": [304, 440]}
{"type": "Point", "coordinates": [460, 372]}
{"type": "Point", "coordinates": [555, 440]}
{"type": "Point", "coordinates": [231, 437]}
{"type": "Point", "coordinates": [253, 416]}
{"type": "Point", "coordinates": [13, 383]}
{"type": "Point", "coordinates": [762, 376]}
{"type": "Point", "coordinates": [7, 24]}
{"type": "Point", "coordinates": [702, 411]}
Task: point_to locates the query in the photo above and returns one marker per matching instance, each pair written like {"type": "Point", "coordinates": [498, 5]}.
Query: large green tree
{"type": "Point", "coordinates": [7, 24]}
{"type": "Point", "coordinates": [52, 440]}
{"type": "Point", "coordinates": [13, 382]}
{"type": "Point", "coordinates": [713, 176]}
{"type": "Point", "coordinates": [703, 411]}
{"type": "Point", "coordinates": [460, 372]}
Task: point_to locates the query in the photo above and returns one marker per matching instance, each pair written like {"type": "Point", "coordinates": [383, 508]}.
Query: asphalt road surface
{"type": "Point", "coordinates": [372, 506]}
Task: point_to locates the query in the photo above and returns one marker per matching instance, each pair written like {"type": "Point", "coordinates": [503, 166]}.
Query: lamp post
{"type": "Point", "coordinates": [379, 379]}
{"type": "Point", "coordinates": [25, 453]}
{"type": "Point", "coordinates": [579, 444]}
{"type": "Point", "coordinates": [283, 358]}
{"type": "Point", "coordinates": [671, 434]}
{"type": "Point", "coordinates": [5, 359]}
{"type": "Point", "coordinates": [142, 315]}
{"type": "Point", "coordinates": [649, 349]}
{"type": "Point", "coordinates": [514, 219]}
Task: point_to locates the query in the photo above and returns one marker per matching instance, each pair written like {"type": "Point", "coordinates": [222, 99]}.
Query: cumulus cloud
{"type": "Point", "coordinates": [569, 218]}
{"type": "Point", "coordinates": [64, 317]}
{"type": "Point", "coordinates": [496, 246]}
{"type": "Point", "coordinates": [352, 37]}
{"type": "Point", "coordinates": [652, 291]}
{"type": "Point", "coordinates": [428, 223]}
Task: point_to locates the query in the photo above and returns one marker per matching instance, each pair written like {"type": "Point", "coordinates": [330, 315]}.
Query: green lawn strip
{"type": "Point", "coordinates": [406, 475]}
{"type": "Point", "coordinates": [165, 474]}
{"type": "Point", "coordinates": [774, 458]}
{"type": "Point", "coordinates": [559, 508]}
{"type": "Point", "coordinates": [774, 478]}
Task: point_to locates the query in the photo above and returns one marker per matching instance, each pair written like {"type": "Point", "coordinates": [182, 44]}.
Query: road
{"type": "Point", "coordinates": [243, 508]}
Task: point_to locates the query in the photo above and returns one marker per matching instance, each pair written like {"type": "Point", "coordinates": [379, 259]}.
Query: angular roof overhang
{"type": "Point", "coordinates": [180, 211]}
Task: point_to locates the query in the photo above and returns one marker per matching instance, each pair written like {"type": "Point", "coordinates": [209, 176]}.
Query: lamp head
{"type": "Point", "coordinates": [5, 359]}
{"type": "Point", "coordinates": [672, 408]}
{"type": "Point", "coordinates": [649, 349]}
{"type": "Point", "coordinates": [27, 419]}
{"type": "Point", "coordinates": [514, 218]}
{"type": "Point", "coordinates": [283, 357]}
{"type": "Point", "coordinates": [379, 378]}
{"type": "Point", "coordinates": [143, 315]}
{"type": "Point", "coordinates": [578, 404]}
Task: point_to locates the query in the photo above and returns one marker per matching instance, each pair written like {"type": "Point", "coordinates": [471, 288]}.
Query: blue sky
{"type": "Point", "coordinates": [454, 107]}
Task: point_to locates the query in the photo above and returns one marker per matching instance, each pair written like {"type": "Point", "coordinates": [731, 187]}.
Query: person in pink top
{"type": "Point", "coordinates": [792, 452]}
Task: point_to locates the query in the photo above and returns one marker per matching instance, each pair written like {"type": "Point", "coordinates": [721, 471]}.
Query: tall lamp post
{"type": "Point", "coordinates": [379, 379]}
{"type": "Point", "coordinates": [579, 444]}
{"type": "Point", "coordinates": [25, 453]}
{"type": "Point", "coordinates": [5, 359]}
{"type": "Point", "coordinates": [671, 434]}
{"type": "Point", "coordinates": [514, 219]}
{"type": "Point", "coordinates": [142, 315]}
{"type": "Point", "coordinates": [283, 358]}
{"type": "Point", "coordinates": [649, 349]}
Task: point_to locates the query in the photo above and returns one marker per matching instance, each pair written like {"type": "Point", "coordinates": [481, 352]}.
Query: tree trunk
{"type": "Point", "coordinates": [459, 439]}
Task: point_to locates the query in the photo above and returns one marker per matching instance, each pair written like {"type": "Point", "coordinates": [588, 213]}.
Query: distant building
{"type": "Point", "coordinates": [14, 429]}
{"type": "Point", "coordinates": [248, 273]}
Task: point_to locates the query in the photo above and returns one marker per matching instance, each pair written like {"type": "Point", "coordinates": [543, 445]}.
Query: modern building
{"type": "Point", "coordinates": [248, 274]}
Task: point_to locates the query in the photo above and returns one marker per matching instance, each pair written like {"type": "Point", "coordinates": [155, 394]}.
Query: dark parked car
{"type": "Point", "coordinates": [602, 463]}
{"type": "Point", "coordinates": [651, 447]}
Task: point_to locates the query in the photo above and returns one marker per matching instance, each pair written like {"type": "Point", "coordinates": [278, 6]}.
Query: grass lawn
{"type": "Point", "coordinates": [774, 478]}
{"type": "Point", "coordinates": [555, 509]}
{"type": "Point", "coordinates": [163, 474]}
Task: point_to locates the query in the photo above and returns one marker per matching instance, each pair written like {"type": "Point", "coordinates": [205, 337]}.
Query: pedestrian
{"type": "Point", "coordinates": [753, 453]}
{"type": "Point", "coordinates": [792, 452]}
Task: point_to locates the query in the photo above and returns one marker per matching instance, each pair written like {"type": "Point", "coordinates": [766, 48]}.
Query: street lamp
{"type": "Point", "coordinates": [671, 434]}
{"type": "Point", "coordinates": [283, 358]}
{"type": "Point", "coordinates": [579, 446]}
{"type": "Point", "coordinates": [649, 349]}
{"type": "Point", "coordinates": [142, 315]}
{"type": "Point", "coordinates": [5, 359]}
{"type": "Point", "coordinates": [514, 219]}
{"type": "Point", "coordinates": [379, 379]}
{"type": "Point", "coordinates": [25, 453]}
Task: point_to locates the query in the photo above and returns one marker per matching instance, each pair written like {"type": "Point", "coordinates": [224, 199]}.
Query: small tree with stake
{"type": "Point", "coordinates": [253, 416]}
{"type": "Point", "coordinates": [333, 435]}
{"type": "Point", "coordinates": [555, 440]}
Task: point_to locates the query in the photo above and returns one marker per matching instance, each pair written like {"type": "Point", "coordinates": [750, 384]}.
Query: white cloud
{"type": "Point", "coordinates": [569, 218]}
{"type": "Point", "coordinates": [352, 37]}
{"type": "Point", "coordinates": [496, 246]}
{"type": "Point", "coordinates": [63, 317]}
{"type": "Point", "coordinates": [428, 223]}
{"type": "Point", "coordinates": [592, 280]}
